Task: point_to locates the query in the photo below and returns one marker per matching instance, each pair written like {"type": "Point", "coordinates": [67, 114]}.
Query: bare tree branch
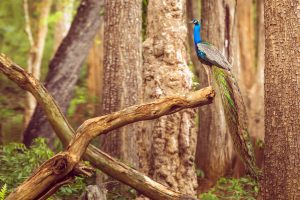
{"type": "Point", "coordinates": [56, 169]}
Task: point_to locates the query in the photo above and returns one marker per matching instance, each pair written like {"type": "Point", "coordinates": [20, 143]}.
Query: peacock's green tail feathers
{"type": "Point", "coordinates": [236, 117]}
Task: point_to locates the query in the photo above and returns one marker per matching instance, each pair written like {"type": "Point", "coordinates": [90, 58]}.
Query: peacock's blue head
{"type": "Point", "coordinates": [195, 22]}
{"type": "Point", "coordinates": [197, 34]}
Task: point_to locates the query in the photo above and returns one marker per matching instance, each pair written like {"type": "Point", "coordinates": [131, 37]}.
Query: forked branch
{"type": "Point", "coordinates": [59, 168]}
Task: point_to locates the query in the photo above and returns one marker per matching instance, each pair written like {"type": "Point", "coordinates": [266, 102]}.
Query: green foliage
{"type": "Point", "coordinates": [200, 173]}
{"type": "Point", "coordinates": [3, 192]}
{"type": "Point", "coordinates": [80, 97]}
{"type": "Point", "coordinates": [18, 162]}
{"type": "Point", "coordinates": [230, 188]}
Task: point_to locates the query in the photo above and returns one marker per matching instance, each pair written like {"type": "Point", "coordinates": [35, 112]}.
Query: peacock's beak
{"type": "Point", "coordinates": [191, 22]}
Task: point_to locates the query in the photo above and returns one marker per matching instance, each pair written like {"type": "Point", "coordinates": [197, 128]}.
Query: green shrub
{"type": "Point", "coordinates": [231, 188]}
{"type": "Point", "coordinates": [17, 163]}
{"type": "Point", "coordinates": [3, 192]}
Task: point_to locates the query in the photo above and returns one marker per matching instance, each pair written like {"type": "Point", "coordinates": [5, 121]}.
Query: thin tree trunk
{"type": "Point", "coordinates": [256, 94]}
{"type": "Point", "coordinates": [65, 9]}
{"type": "Point", "coordinates": [37, 39]}
{"type": "Point", "coordinates": [167, 145]}
{"type": "Point", "coordinates": [65, 66]}
{"type": "Point", "coordinates": [214, 149]}
{"type": "Point", "coordinates": [122, 72]}
{"type": "Point", "coordinates": [95, 72]}
{"type": "Point", "coordinates": [282, 88]}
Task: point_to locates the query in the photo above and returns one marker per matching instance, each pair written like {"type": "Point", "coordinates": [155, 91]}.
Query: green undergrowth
{"type": "Point", "coordinates": [18, 162]}
{"type": "Point", "coordinates": [243, 188]}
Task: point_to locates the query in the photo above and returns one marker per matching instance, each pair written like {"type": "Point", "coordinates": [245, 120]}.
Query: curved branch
{"type": "Point", "coordinates": [56, 168]}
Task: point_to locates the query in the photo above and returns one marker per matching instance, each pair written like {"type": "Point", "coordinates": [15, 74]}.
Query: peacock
{"type": "Point", "coordinates": [215, 64]}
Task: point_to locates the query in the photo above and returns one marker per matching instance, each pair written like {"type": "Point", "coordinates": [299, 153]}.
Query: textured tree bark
{"type": "Point", "coordinates": [63, 166]}
{"type": "Point", "coordinates": [167, 145]}
{"type": "Point", "coordinates": [282, 109]}
{"type": "Point", "coordinates": [122, 73]}
{"type": "Point", "coordinates": [37, 38]}
{"type": "Point", "coordinates": [65, 66]}
{"type": "Point", "coordinates": [214, 148]}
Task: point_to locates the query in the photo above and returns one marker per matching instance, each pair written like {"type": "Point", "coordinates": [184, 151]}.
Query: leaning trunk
{"type": "Point", "coordinates": [65, 66]}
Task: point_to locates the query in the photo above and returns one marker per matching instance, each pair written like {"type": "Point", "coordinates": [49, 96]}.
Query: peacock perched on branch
{"type": "Point", "coordinates": [216, 64]}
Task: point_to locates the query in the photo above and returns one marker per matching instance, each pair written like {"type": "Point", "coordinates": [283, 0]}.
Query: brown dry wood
{"type": "Point", "coordinates": [57, 169]}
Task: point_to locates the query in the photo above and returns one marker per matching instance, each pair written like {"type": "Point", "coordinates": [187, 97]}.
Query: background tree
{"type": "Point", "coordinates": [64, 68]}
{"type": "Point", "coordinates": [167, 145]}
{"type": "Point", "coordinates": [37, 36]}
{"type": "Point", "coordinates": [282, 88]}
{"type": "Point", "coordinates": [64, 10]}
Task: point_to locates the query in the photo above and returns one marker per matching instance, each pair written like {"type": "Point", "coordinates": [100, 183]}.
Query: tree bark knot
{"type": "Point", "coordinates": [60, 164]}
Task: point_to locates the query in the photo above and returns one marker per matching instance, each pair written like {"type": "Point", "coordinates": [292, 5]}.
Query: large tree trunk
{"type": "Point", "coordinates": [37, 38]}
{"type": "Point", "coordinates": [65, 66]}
{"type": "Point", "coordinates": [167, 145]}
{"type": "Point", "coordinates": [122, 72]}
{"type": "Point", "coordinates": [214, 149]}
{"type": "Point", "coordinates": [282, 89]}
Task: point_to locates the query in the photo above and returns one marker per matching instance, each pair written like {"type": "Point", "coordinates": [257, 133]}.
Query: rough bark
{"type": "Point", "coordinates": [282, 89]}
{"type": "Point", "coordinates": [122, 72]}
{"type": "Point", "coordinates": [65, 66]}
{"type": "Point", "coordinates": [214, 149]}
{"type": "Point", "coordinates": [167, 145]}
{"type": "Point", "coordinates": [37, 38]}
{"type": "Point", "coordinates": [60, 169]}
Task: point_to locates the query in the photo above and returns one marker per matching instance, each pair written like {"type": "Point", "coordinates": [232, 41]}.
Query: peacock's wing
{"type": "Point", "coordinates": [214, 56]}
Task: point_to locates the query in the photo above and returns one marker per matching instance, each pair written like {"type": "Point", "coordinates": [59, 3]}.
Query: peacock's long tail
{"type": "Point", "coordinates": [236, 117]}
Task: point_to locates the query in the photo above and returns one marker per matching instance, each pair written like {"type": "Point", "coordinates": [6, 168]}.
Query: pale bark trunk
{"type": "Point", "coordinates": [256, 94]}
{"type": "Point", "coordinates": [122, 72]}
{"type": "Point", "coordinates": [282, 88]}
{"type": "Point", "coordinates": [214, 149]}
{"type": "Point", "coordinates": [64, 68]}
{"type": "Point", "coordinates": [37, 39]}
{"type": "Point", "coordinates": [65, 9]}
{"type": "Point", "coordinates": [95, 72]}
{"type": "Point", "coordinates": [167, 145]}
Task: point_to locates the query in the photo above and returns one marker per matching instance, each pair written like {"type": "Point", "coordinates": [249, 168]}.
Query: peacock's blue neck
{"type": "Point", "coordinates": [197, 34]}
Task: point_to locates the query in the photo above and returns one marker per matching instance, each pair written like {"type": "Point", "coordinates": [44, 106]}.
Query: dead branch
{"type": "Point", "coordinates": [56, 169]}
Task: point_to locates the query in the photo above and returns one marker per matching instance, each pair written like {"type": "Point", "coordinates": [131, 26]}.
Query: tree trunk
{"type": "Point", "coordinates": [37, 39]}
{"type": "Point", "coordinates": [282, 89]}
{"type": "Point", "coordinates": [214, 149]}
{"type": "Point", "coordinates": [122, 72]}
{"type": "Point", "coordinates": [95, 73]}
{"type": "Point", "coordinates": [65, 10]}
{"type": "Point", "coordinates": [167, 145]}
{"type": "Point", "coordinates": [65, 66]}
{"type": "Point", "coordinates": [256, 94]}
